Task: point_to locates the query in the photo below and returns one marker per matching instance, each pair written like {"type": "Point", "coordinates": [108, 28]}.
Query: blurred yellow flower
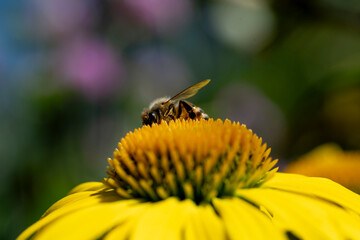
{"type": "Point", "coordinates": [200, 180]}
{"type": "Point", "coordinates": [330, 161]}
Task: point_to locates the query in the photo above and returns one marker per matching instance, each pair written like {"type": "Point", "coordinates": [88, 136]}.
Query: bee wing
{"type": "Point", "coordinates": [190, 91]}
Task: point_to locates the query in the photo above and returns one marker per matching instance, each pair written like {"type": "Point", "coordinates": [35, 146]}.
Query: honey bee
{"type": "Point", "coordinates": [175, 108]}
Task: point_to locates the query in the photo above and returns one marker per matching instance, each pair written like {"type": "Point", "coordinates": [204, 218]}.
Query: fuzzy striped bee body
{"type": "Point", "coordinates": [175, 108]}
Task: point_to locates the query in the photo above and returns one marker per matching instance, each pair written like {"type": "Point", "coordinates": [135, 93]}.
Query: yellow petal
{"type": "Point", "coordinates": [212, 224]}
{"type": "Point", "coordinates": [69, 204]}
{"type": "Point", "coordinates": [192, 230]}
{"type": "Point", "coordinates": [305, 216]}
{"type": "Point", "coordinates": [244, 221]}
{"type": "Point", "coordinates": [124, 230]}
{"type": "Point", "coordinates": [320, 187]}
{"type": "Point", "coordinates": [88, 186]}
{"type": "Point", "coordinates": [82, 196]}
{"type": "Point", "coordinates": [203, 223]}
{"type": "Point", "coordinates": [92, 222]}
{"type": "Point", "coordinates": [164, 220]}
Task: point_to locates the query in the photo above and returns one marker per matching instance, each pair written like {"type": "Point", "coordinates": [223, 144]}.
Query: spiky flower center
{"type": "Point", "coordinates": [192, 159]}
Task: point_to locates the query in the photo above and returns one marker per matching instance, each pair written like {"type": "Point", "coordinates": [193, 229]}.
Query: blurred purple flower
{"type": "Point", "coordinates": [163, 16]}
{"type": "Point", "coordinates": [90, 66]}
{"type": "Point", "coordinates": [63, 17]}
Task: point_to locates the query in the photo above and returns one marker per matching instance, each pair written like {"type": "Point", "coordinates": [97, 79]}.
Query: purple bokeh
{"type": "Point", "coordinates": [90, 66]}
{"type": "Point", "coordinates": [60, 18]}
{"type": "Point", "coordinates": [162, 16]}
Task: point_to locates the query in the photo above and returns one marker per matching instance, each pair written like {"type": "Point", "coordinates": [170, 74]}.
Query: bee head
{"type": "Point", "coordinates": [149, 117]}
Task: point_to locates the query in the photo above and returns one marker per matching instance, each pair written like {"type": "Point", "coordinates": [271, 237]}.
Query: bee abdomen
{"type": "Point", "coordinates": [199, 113]}
{"type": "Point", "coordinates": [190, 111]}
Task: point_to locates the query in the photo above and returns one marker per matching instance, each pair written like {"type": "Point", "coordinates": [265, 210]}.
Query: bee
{"type": "Point", "coordinates": [175, 108]}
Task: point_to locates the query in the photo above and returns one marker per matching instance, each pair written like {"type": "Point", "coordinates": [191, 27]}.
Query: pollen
{"type": "Point", "coordinates": [189, 159]}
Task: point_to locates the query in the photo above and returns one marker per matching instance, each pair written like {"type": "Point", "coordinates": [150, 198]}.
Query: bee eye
{"type": "Point", "coordinates": [152, 117]}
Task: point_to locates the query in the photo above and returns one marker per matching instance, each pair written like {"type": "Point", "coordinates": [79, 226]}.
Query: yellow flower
{"type": "Point", "coordinates": [200, 180]}
{"type": "Point", "coordinates": [330, 161]}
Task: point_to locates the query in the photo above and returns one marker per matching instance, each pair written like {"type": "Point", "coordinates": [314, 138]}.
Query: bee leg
{"type": "Point", "coordinates": [170, 114]}
{"type": "Point", "coordinates": [188, 113]}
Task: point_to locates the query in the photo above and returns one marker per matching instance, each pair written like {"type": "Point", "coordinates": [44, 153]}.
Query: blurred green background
{"type": "Point", "coordinates": [75, 76]}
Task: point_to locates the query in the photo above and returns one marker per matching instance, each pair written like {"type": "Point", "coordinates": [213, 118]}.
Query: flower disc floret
{"type": "Point", "coordinates": [192, 159]}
